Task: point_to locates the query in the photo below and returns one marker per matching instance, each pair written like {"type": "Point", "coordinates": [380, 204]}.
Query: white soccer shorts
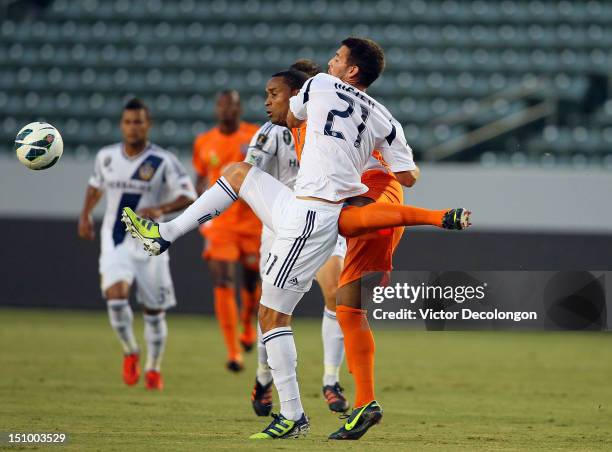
{"type": "Point", "coordinates": [306, 233]}
{"type": "Point", "coordinates": [127, 262]}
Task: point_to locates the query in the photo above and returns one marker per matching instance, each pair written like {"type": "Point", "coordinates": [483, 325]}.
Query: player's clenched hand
{"type": "Point", "coordinates": [86, 227]}
{"type": "Point", "coordinates": [150, 212]}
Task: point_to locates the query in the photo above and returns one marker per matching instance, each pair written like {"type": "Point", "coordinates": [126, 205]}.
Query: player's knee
{"type": "Point", "coordinates": [236, 173]}
{"type": "Point", "coordinates": [118, 290]}
{"type": "Point", "coordinates": [330, 292]}
{"type": "Point", "coordinates": [270, 319]}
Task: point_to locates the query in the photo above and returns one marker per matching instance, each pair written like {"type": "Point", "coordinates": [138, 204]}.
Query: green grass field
{"type": "Point", "coordinates": [60, 371]}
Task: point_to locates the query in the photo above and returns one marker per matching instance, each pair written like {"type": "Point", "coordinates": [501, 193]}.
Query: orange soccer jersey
{"type": "Point", "coordinates": [237, 231]}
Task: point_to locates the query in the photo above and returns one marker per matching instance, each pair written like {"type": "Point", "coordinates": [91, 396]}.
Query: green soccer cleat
{"type": "Point", "coordinates": [360, 420]}
{"type": "Point", "coordinates": [457, 219]}
{"type": "Point", "coordinates": [146, 231]}
{"type": "Point", "coordinates": [282, 428]}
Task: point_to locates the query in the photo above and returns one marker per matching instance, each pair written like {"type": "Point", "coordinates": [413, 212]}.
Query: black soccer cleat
{"type": "Point", "coordinates": [335, 398]}
{"type": "Point", "coordinates": [359, 422]}
{"type": "Point", "coordinates": [261, 398]}
{"type": "Point", "coordinates": [283, 428]}
{"type": "Point", "coordinates": [456, 219]}
{"type": "Point", "coordinates": [234, 366]}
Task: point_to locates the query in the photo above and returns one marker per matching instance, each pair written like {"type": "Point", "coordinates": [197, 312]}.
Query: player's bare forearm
{"type": "Point", "coordinates": [179, 203]}
{"type": "Point", "coordinates": [92, 197]}
{"type": "Point", "coordinates": [292, 121]}
{"type": "Point", "coordinates": [86, 225]}
{"type": "Point", "coordinates": [408, 178]}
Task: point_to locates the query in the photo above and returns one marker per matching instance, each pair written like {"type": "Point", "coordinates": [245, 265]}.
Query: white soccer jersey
{"type": "Point", "coordinates": [149, 179]}
{"type": "Point", "coordinates": [273, 151]}
{"type": "Point", "coordinates": [345, 125]}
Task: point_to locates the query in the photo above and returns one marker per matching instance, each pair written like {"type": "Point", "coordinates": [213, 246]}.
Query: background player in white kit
{"type": "Point", "coordinates": [272, 150]}
{"type": "Point", "coordinates": [145, 177]}
{"type": "Point", "coordinates": [345, 125]}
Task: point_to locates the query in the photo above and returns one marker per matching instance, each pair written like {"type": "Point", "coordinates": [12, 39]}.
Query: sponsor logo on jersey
{"type": "Point", "coordinates": [293, 163]}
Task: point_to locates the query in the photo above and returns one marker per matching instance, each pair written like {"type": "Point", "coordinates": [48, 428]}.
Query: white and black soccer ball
{"type": "Point", "coordinates": [39, 145]}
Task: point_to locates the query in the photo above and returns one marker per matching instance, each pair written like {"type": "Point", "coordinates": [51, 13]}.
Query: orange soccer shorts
{"type": "Point", "coordinates": [231, 246]}
{"type": "Point", "coordinates": [374, 253]}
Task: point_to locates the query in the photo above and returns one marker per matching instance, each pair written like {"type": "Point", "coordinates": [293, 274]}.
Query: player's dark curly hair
{"type": "Point", "coordinates": [307, 66]}
{"type": "Point", "coordinates": [294, 79]}
{"type": "Point", "coordinates": [136, 104]}
{"type": "Point", "coordinates": [368, 56]}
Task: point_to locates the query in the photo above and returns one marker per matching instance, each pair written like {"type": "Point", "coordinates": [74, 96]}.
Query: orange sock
{"type": "Point", "coordinates": [248, 311]}
{"type": "Point", "coordinates": [355, 220]}
{"type": "Point", "coordinates": [359, 348]}
{"type": "Point", "coordinates": [227, 316]}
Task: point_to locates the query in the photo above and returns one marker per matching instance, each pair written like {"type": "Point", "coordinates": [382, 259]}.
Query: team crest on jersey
{"type": "Point", "coordinates": [146, 172]}
{"type": "Point", "coordinates": [107, 161]}
{"type": "Point", "coordinates": [261, 140]}
{"type": "Point", "coordinates": [287, 137]}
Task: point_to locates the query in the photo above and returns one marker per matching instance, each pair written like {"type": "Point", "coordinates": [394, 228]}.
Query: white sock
{"type": "Point", "coordinates": [155, 333]}
{"type": "Point", "coordinates": [282, 358]}
{"type": "Point", "coordinates": [333, 348]}
{"type": "Point", "coordinates": [264, 375]}
{"type": "Point", "coordinates": [121, 318]}
{"type": "Point", "coordinates": [210, 204]}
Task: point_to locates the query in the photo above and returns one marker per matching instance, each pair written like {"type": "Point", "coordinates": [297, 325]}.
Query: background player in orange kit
{"type": "Point", "coordinates": [234, 236]}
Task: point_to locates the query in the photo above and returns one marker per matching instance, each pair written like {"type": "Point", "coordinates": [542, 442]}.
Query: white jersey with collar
{"type": "Point", "coordinates": [345, 125]}
{"type": "Point", "coordinates": [273, 151]}
{"type": "Point", "coordinates": [146, 180]}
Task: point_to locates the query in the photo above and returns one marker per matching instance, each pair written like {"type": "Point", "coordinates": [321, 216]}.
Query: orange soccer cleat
{"type": "Point", "coordinates": [154, 380]}
{"type": "Point", "coordinates": [131, 368]}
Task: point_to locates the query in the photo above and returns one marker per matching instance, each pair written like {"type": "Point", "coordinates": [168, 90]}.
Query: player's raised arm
{"type": "Point", "coordinates": [93, 194]}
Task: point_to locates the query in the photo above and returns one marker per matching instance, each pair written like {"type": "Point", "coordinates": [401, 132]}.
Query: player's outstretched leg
{"type": "Point", "coordinates": [155, 333]}
{"type": "Point", "coordinates": [359, 421]}
{"type": "Point", "coordinates": [121, 318]}
{"type": "Point", "coordinates": [355, 221]}
{"type": "Point", "coordinates": [261, 396]}
{"type": "Point", "coordinates": [157, 237]}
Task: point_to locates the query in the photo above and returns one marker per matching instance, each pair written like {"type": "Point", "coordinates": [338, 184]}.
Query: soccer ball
{"type": "Point", "coordinates": [39, 145]}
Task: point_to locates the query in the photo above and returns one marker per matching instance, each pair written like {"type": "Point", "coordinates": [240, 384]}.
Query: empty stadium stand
{"type": "Point", "coordinates": [491, 81]}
